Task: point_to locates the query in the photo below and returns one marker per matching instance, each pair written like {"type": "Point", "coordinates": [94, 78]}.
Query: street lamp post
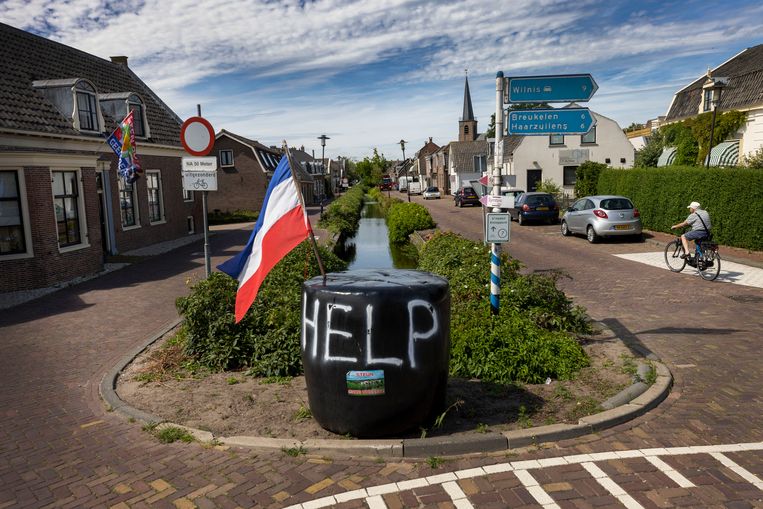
{"type": "Point", "coordinates": [715, 86]}
{"type": "Point", "coordinates": [323, 139]}
{"type": "Point", "coordinates": [407, 172]}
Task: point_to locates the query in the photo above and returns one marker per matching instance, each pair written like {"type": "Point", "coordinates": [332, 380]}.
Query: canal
{"type": "Point", "coordinates": [370, 247]}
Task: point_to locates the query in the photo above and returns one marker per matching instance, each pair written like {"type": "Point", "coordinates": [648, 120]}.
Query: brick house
{"type": "Point", "coordinates": [245, 168]}
{"type": "Point", "coordinates": [425, 163]}
{"type": "Point", "coordinates": [62, 207]}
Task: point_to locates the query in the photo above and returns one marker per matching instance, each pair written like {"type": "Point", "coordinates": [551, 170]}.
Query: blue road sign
{"type": "Point", "coordinates": [551, 121]}
{"type": "Point", "coordinates": [550, 89]}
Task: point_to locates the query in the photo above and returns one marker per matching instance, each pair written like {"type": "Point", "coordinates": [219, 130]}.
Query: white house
{"type": "Point", "coordinates": [742, 92]}
{"type": "Point", "coordinates": [532, 159]}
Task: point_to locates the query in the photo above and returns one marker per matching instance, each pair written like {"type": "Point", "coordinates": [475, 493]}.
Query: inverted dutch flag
{"type": "Point", "coordinates": [281, 226]}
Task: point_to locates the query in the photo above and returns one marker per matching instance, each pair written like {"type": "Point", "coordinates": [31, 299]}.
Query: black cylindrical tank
{"type": "Point", "coordinates": [375, 349]}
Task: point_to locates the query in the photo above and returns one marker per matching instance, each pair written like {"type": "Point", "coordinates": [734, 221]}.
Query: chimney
{"type": "Point", "coordinates": [313, 153]}
{"type": "Point", "coordinates": [121, 60]}
{"type": "Point", "coordinates": [430, 139]}
{"type": "Point", "coordinates": [302, 148]}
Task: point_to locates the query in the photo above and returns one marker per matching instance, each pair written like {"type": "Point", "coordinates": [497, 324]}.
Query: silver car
{"type": "Point", "coordinates": [602, 216]}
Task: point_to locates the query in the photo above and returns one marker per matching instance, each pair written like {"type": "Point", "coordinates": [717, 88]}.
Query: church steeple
{"type": "Point", "coordinates": [467, 126]}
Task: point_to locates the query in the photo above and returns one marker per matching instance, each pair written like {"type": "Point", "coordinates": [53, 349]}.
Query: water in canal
{"type": "Point", "coordinates": [370, 247]}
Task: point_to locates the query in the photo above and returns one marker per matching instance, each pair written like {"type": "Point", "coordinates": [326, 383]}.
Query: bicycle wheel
{"type": "Point", "coordinates": [710, 265]}
{"type": "Point", "coordinates": [673, 252]}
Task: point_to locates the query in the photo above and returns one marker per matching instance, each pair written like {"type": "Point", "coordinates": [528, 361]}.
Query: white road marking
{"type": "Point", "coordinates": [611, 486]}
{"type": "Point", "coordinates": [738, 469]}
{"type": "Point", "coordinates": [373, 495]}
{"type": "Point", "coordinates": [730, 272]}
{"type": "Point", "coordinates": [666, 469]}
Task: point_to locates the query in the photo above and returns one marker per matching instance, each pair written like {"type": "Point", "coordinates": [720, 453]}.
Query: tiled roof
{"type": "Point", "coordinates": [463, 152]}
{"type": "Point", "coordinates": [745, 88]}
{"type": "Point", "coordinates": [301, 160]}
{"type": "Point", "coordinates": [510, 144]}
{"type": "Point", "coordinates": [269, 157]}
{"type": "Point", "coordinates": [26, 58]}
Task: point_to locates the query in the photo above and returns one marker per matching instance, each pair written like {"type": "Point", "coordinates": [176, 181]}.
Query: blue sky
{"type": "Point", "coordinates": [368, 73]}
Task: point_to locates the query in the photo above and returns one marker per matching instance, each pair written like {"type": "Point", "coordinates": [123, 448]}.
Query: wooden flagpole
{"type": "Point", "coordinates": [304, 208]}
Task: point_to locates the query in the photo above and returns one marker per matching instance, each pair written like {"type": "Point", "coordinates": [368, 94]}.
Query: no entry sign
{"type": "Point", "coordinates": [197, 136]}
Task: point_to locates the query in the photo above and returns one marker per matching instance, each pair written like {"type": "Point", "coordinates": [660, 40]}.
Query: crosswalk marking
{"type": "Point", "coordinates": [738, 469]}
{"type": "Point", "coordinates": [611, 486]}
{"type": "Point", "coordinates": [666, 469]}
{"type": "Point", "coordinates": [373, 495]}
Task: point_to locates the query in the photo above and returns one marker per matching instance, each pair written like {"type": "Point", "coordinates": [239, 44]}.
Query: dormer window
{"type": "Point", "coordinates": [87, 107]}
{"type": "Point", "coordinates": [117, 105]}
{"type": "Point", "coordinates": [707, 102]}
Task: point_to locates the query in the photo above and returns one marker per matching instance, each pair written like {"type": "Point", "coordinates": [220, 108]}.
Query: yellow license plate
{"type": "Point", "coordinates": [541, 208]}
{"type": "Point", "coordinates": [622, 227]}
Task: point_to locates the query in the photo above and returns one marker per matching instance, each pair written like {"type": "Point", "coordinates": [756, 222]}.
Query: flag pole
{"type": "Point", "coordinates": [304, 209]}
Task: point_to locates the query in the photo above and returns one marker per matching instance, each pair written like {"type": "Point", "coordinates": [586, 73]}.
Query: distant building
{"type": "Point", "coordinates": [63, 208]}
{"type": "Point", "coordinates": [743, 92]}
{"type": "Point", "coordinates": [423, 162]}
{"type": "Point", "coordinates": [309, 172]}
{"type": "Point", "coordinates": [244, 170]}
{"type": "Point", "coordinates": [467, 157]}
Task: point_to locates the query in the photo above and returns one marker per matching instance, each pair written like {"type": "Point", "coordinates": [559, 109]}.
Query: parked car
{"type": "Point", "coordinates": [602, 216]}
{"type": "Point", "coordinates": [431, 192]}
{"type": "Point", "coordinates": [466, 196]}
{"type": "Point", "coordinates": [540, 207]}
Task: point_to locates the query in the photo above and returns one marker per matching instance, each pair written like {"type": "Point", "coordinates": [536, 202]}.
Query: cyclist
{"type": "Point", "coordinates": [699, 220]}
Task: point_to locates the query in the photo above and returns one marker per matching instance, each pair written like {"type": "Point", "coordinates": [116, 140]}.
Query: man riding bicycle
{"type": "Point", "coordinates": [699, 220]}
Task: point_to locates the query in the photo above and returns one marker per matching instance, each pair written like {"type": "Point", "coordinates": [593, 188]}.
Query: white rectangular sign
{"type": "Point", "coordinates": [497, 227]}
{"type": "Point", "coordinates": [200, 173]}
{"type": "Point", "coordinates": [501, 202]}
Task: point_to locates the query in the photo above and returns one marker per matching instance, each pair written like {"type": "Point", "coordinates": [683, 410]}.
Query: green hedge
{"type": "Point", "coordinates": [405, 218]}
{"type": "Point", "coordinates": [343, 215]}
{"type": "Point", "coordinates": [732, 197]}
{"type": "Point", "coordinates": [267, 340]}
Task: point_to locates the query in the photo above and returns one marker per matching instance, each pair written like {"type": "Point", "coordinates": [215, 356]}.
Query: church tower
{"type": "Point", "coordinates": [467, 126]}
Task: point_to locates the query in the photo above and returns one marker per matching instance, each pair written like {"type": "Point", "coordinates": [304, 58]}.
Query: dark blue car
{"type": "Point", "coordinates": [535, 207]}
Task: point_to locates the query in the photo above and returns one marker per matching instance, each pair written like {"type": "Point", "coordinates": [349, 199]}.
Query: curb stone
{"type": "Point", "coordinates": [636, 401]}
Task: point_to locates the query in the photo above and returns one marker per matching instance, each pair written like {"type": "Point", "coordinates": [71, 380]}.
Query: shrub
{"type": "Point", "coordinates": [550, 187]}
{"type": "Point", "coordinates": [537, 296]}
{"type": "Point", "coordinates": [732, 196]}
{"type": "Point", "coordinates": [267, 339]}
{"type": "Point", "coordinates": [755, 160]}
{"type": "Point", "coordinates": [237, 216]}
{"type": "Point", "coordinates": [342, 216]}
{"type": "Point", "coordinates": [587, 178]}
{"type": "Point", "coordinates": [404, 218]}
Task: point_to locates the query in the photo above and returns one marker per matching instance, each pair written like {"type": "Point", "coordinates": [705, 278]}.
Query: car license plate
{"type": "Point", "coordinates": [622, 227]}
{"type": "Point", "coordinates": [541, 208]}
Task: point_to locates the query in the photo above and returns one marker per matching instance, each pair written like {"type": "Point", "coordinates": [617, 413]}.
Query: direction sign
{"type": "Point", "coordinates": [550, 89]}
{"type": "Point", "coordinates": [501, 201]}
{"type": "Point", "coordinates": [497, 227]}
{"type": "Point", "coordinates": [197, 136]}
{"type": "Point", "coordinates": [551, 121]}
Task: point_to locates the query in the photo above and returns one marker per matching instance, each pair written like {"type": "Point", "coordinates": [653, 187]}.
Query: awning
{"type": "Point", "coordinates": [725, 154]}
{"type": "Point", "coordinates": [667, 157]}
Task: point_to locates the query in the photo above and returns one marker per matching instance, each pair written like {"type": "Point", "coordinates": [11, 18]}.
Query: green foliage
{"type": "Point", "coordinates": [434, 462]}
{"type": "Point", "coordinates": [173, 434]}
{"type": "Point", "coordinates": [730, 195]}
{"type": "Point", "coordinates": [371, 169]}
{"type": "Point", "coordinates": [294, 451]}
{"type": "Point", "coordinates": [343, 215]}
{"type": "Point", "coordinates": [755, 160]}
{"type": "Point", "coordinates": [633, 127]}
{"type": "Point", "coordinates": [528, 341]}
{"type": "Point", "coordinates": [550, 187]}
{"type": "Point", "coordinates": [648, 155]}
{"type": "Point", "coordinates": [237, 216]}
{"type": "Point", "coordinates": [586, 178]}
{"type": "Point", "coordinates": [404, 218]}
{"type": "Point", "coordinates": [464, 263]}
{"type": "Point", "coordinates": [267, 339]}
{"type": "Point", "coordinates": [383, 199]}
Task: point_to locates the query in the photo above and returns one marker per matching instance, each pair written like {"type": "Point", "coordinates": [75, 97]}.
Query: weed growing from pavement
{"type": "Point", "coordinates": [482, 428]}
{"type": "Point", "coordinates": [523, 419]}
{"type": "Point", "coordinates": [173, 434]}
{"type": "Point", "coordinates": [434, 462]}
{"type": "Point", "coordinates": [294, 451]}
{"type": "Point", "coordinates": [651, 375]}
{"type": "Point", "coordinates": [304, 413]}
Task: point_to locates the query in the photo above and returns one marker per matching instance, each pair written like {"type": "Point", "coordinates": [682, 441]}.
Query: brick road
{"type": "Point", "coordinates": [60, 447]}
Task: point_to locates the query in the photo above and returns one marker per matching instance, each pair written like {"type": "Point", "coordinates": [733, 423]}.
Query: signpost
{"type": "Point", "coordinates": [497, 227]}
{"type": "Point", "coordinates": [200, 173]}
{"type": "Point", "coordinates": [500, 202]}
{"type": "Point", "coordinates": [550, 121]}
{"type": "Point", "coordinates": [561, 88]}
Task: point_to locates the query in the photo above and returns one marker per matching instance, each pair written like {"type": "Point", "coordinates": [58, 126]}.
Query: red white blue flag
{"type": "Point", "coordinates": [281, 226]}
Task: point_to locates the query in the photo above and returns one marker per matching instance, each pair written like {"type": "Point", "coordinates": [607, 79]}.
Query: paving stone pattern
{"type": "Point", "coordinates": [60, 447]}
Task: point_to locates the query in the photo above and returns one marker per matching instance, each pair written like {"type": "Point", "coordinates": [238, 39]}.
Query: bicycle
{"type": "Point", "coordinates": [705, 258]}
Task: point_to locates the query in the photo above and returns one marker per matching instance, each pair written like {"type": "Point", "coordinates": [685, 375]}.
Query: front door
{"type": "Point", "coordinates": [533, 179]}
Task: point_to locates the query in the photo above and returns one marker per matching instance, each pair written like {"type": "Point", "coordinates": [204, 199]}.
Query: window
{"type": "Point", "coordinates": [622, 160]}
{"type": "Point", "coordinates": [480, 163]}
{"type": "Point", "coordinates": [607, 160]}
{"type": "Point", "coordinates": [136, 106]}
{"type": "Point", "coordinates": [191, 227]}
{"type": "Point", "coordinates": [589, 137]}
{"type": "Point", "coordinates": [128, 204]}
{"type": "Point", "coordinates": [226, 158]}
{"type": "Point", "coordinates": [66, 205]}
{"type": "Point", "coordinates": [87, 108]}
{"type": "Point", "coordinates": [556, 139]}
{"type": "Point", "coordinates": [12, 237]}
{"type": "Point", "coordinates": [155, 205]}
{"type": "Point", "coordinates": [569, 175]}
{"type": "Point", "coordinates": [707, 103]}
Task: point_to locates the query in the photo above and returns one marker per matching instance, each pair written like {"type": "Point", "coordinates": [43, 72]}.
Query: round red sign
{"type": "Point", "coordinates": [197, 136]}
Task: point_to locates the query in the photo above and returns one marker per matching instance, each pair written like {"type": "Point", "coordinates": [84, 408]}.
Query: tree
{"type": "Point", "coordinates": [370, 170]}
{"type": "Point", "coordinates": [633, 127]}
